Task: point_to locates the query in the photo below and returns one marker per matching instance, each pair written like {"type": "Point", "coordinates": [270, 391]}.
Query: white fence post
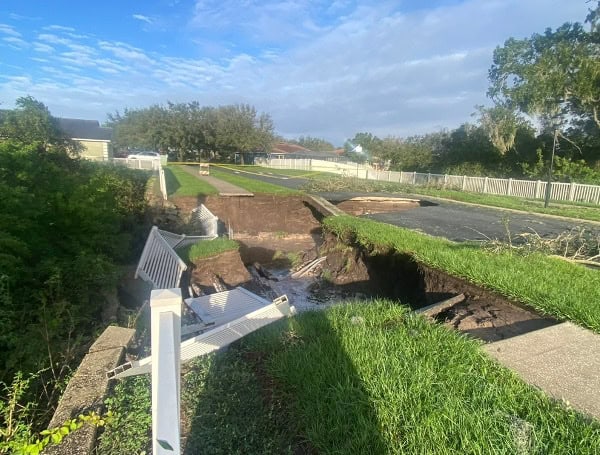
{"type": "Point", "coordinates": [509, 187]}
{"type": "Point", "coordinates": [165, 309]}
{"type": "Point", "coordinates": [538, 186]}
{"type": "Point", "coordinates": [485, 185]}
{"type": "Point", "coordinates": [571, 191]}
{"type": "Point", "coordinates": [464, 182]}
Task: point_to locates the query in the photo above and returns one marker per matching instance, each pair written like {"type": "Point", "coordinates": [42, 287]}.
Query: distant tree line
{"type": "Point", "coordinates": [551, 78]}
{"type": "Point", "coordinates": [193, 132]}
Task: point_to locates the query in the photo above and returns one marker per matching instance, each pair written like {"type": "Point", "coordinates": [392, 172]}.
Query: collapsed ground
{"type": "Point", "coordinates": [279, 235]}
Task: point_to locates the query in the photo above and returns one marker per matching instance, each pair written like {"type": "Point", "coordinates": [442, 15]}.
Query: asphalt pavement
{"type": "Point", "coordinates": [452, 220]}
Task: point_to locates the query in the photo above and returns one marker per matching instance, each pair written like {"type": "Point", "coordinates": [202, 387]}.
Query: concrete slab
{"type": "Point", "coordinates": [563, 360]}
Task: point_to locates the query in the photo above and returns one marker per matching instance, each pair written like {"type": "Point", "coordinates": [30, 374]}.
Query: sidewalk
{"type": "Point", "coordinates": [563, 360]}
{"type": "Point", "coordinates": [224, 188]}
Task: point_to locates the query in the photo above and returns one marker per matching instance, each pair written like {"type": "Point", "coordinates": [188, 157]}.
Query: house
{"type": "Point", "coordinates": [95, 139]}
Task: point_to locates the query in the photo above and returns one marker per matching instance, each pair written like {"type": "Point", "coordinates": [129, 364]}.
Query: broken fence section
{"type": "Point", "coordinates": [160, 265]}
{"type": "Point", "coordinates": [258, 313]}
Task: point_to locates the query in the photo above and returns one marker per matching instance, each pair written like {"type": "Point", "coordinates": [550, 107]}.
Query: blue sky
{"type": "Point", "coordinates": [325, 69]}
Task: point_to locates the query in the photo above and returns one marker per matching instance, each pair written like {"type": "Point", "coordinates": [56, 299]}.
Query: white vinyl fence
{"type": "Point", "coordinates": [575, 192]}
{"type": "Point", "coordinates": [160, 265]}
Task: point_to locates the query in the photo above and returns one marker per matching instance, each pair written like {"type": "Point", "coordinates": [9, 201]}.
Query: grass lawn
{"type": "Point", "coordinates": [369, 378]}
{"type": "Point", "coordinates": [375, 378]}
{"type": "Point", "coordinates": [255, 186]}
{"type": "Point", "coordinates": [207, 248]}
{"type": "Point", "coordinates": [181, 183]}
{"type": "Point", "coordinates": [280, 172]}
{"type": "Point", "coordinates": [571, 210]}
{"type": "Point", "coordinates": [558, 288]}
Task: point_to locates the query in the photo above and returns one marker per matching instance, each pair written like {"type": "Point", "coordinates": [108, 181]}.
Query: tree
{"type": "Point", "coordinates": [192, 131]}
{"type": "Point", "coordinates": [313, 143]}
{"type": "Point", "coordinates": [554, 75]}
{"type": "Point", "coordinates": [31, 123]}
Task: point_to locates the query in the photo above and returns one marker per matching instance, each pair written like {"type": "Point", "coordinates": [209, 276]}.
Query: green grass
{"type": "Point", "coordinates": [131, 403]}
{"type": "Point", "coordinates": [226, 410]}
{"type": "Point", "coordinates": [280, 172]}
{"type": "Point", "coordinates": [254, 186]}
{"type": "Point", "coordinates": [581, 211]}
{"type": "Point", "coordinates": [558, 288]}
{"type": "Point", "coordinates": [181, 183]}
{"type": "Point", "coordinates": [371, 378]}
{"type": "Point", "coordinates": [207, 248]}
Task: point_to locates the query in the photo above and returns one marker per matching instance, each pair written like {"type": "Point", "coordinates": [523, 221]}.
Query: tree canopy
{"type": "Point", "coordinates": [554, 75]}
{"type": "Point", "coordinates": [193, 131]}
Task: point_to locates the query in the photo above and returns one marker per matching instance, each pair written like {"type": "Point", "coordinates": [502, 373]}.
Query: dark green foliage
{"type": "Point", "coordinates": [65, 226]}
{"type": "Point", "coordinates": [314, 143]}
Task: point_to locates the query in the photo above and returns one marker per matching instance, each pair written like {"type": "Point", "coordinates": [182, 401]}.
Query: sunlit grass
{"type": "Point", "coordinates": [372, 378]}
{"type": "Point", "coordinates": [207, 248]}
{"type": "Point", "coordinates": [249, 184]}
{"type": "Point", "coordinates": [269, 171]}
{"type": "Point", "coordinates": [181, 183]}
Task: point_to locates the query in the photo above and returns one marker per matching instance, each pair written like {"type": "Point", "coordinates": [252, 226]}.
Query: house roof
{"type": "Point", "coordinates": [84, 129]}
{"type": "Point", "coordinates": [284, 147]}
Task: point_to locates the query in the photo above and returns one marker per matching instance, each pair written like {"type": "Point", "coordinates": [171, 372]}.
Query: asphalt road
{"type": "Point", "coordinates": [453, 220]}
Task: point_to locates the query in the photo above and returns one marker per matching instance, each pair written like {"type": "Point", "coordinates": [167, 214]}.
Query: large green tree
{"type": "Point", "coordinates": [554, 75]}
{"type": "Point", "coordinates": [193, 131]}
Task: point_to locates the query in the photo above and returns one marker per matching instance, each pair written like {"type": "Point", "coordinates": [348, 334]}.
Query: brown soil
{"type": "Point", "coordinates": [364, 206]}
{"type": "Point", "coordinates": [226, 267]}
{"type": "Point", "coordinates": [261, 213]}
{"type": "Point", "coordinates": [484, 314]}
{"type": "Point", "coordinates": [267, 247]}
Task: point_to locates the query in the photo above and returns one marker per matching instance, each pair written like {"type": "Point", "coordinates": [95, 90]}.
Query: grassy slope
{"type": "Point", "coordinates": [579, 211]}
{"type": "Point", "coordinates": [377, 379]}
{"type": "Point", "coordinates": [252, 185]}
{"type": "Point", "coordinates": [180, 183]}
{"type": "Point", "coordinates": [552, 286]}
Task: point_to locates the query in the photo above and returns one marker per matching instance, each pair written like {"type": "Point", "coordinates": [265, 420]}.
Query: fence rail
{"type": "Point", "coordinates": [533, 189]}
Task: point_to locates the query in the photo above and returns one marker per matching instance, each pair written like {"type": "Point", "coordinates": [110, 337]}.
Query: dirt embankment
{"type": "Point", "coordinates": [483, 314]}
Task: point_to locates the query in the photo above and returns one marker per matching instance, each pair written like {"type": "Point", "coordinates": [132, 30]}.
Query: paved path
{"type": "Point", "coordinates": [563, 360]}
{"type": "Point", "coordinates": [224, 188]}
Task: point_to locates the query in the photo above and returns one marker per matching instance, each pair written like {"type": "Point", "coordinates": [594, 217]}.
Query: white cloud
{"type": "Point", "coordinates": [9, 30]}
{"type": "Point", "coordinates": [323, 70]}
{"type": "Point", "coordinates": [59, 28]}
{"type": "Point", "coordinates": [42, 47]}
{"type": "Point", "coordinates": [142, 18]}
{"type": "Point", "coordinates": [126, 52]}
{"type": "Point", "coordinates": [15, 43]}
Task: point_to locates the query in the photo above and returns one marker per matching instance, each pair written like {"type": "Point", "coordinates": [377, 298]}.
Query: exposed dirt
{"type": "Point", "coordinates": [226, 267]}
{"type": "Point", "coordinates": [484, 314]}
{"type": "Point", "coordinates": [260, 213]}
{"type": "Point", "coordinates": [282, 233]}
{"type": "Point", "coordinates": [368, 206]}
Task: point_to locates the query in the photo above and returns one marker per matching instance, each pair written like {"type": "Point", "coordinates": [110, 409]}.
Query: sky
{"type": "Point", "coordinates": [321, 69]}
